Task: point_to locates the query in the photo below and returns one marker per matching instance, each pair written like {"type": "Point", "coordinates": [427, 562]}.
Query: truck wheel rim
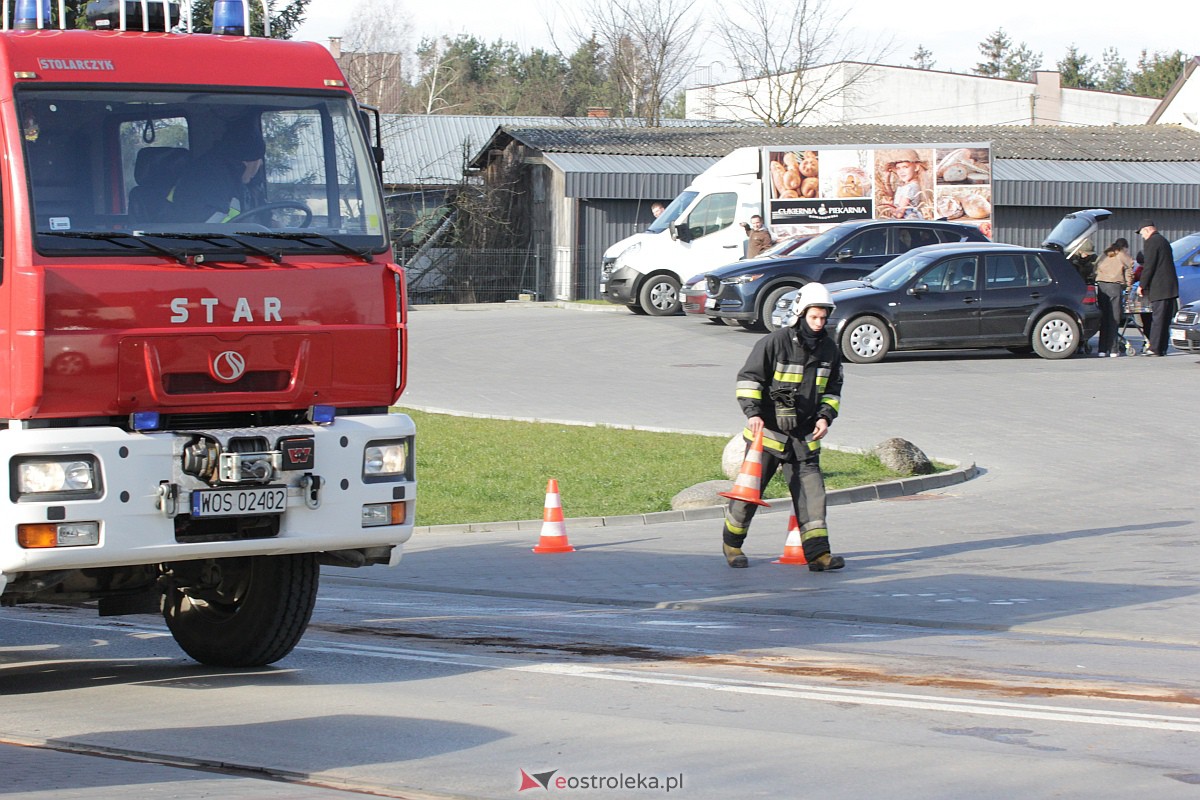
{"type": "Point", "coordinates": [662, 295]}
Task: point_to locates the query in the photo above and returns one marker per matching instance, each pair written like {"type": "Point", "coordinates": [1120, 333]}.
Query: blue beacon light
{"type": "Point", "coordinates": [26, 17]}
{"type": "Point", "coordinates": [229, 18]}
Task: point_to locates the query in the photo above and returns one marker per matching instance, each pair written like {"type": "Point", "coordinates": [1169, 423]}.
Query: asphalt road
{"type": "Point", "coordinates": [1029, 633]}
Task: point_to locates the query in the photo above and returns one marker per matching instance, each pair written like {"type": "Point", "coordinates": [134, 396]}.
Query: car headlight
{"type": "Point", "coordinates": [626, 254]}
{"type": "Point", "coordinates": [65, 477]}
{"type": "Point", "coordinates": [385, 459]}
{"type": "Point", "coordinates": [741, 279]}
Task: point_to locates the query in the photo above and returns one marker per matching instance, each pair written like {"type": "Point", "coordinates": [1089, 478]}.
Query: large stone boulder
{"type": "Point", "coordinates": [731, 458]}
{"type": "Point", "coordinates": [903, 457]}
{"type": "Point", "coordinates": [702, 495]}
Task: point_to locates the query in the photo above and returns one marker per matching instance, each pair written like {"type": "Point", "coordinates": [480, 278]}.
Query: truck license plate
{"type": "Point", "coordinates": [239, 502]}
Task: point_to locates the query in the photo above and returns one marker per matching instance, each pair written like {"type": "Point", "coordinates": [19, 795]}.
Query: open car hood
{"type": "Point", "coordinates": [1074, 229]}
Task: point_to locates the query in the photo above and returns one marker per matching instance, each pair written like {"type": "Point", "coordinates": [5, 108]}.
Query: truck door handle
{"type": "Point", "coordinates": [970, 300]}
{"type": "Point", "coordinates": [730, 246]}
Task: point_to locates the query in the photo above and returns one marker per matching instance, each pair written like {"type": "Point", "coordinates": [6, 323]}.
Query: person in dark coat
{"type": "Point", "coordinates": [1159, 285]}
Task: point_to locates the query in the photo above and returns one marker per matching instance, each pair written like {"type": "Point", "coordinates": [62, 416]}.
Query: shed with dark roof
{"type": "Point", "coordinates": [591, 187]}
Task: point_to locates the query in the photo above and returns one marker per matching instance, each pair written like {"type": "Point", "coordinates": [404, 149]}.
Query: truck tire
{"type": "Point", "coordinates": [1056, 335]}
{"type": "Point", "coordinates": [659, 296]}
{"type": "Point", "coordinates": [866, 340]}
{"type": "Point", "coordinates": [254, 614]}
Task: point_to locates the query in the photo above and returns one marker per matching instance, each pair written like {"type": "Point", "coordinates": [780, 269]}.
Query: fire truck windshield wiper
{"type": "Point", "coordinates": [213, 238]}
{"type": "Point", "coordinates": [365, 255]}
{"type": "Point", "coordinates": [117, 237]}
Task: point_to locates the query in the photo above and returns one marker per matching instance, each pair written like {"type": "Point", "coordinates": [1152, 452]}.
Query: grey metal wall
{"type": "Point", "coordinates": [603, 223]}
{"type": "Point", "coordinates": [1029, 225]}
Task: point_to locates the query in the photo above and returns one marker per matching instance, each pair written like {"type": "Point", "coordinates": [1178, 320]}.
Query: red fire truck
{"type": "Point", "coordinates": [201, 327]}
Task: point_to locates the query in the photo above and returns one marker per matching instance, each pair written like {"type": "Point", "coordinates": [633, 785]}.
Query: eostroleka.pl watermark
{"type": "Point", "coordinates": [637, 782]}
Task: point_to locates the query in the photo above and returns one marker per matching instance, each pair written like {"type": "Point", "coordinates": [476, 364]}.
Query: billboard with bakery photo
{"type": "Point", "coordinates": [809, 188]}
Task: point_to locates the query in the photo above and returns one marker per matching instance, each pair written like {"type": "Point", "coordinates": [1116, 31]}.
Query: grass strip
{"type": "Point", "coordinates": [487, 470]}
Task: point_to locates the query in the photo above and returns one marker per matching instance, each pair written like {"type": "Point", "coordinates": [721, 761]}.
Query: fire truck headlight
{"type": "Point", "coordinates": [44, 478]}
{"type": "Point", "coordinates": [385, 459]}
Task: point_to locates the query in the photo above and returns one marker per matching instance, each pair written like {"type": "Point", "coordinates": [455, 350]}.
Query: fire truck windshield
{"type": "Point", "coordinates": [205, 170]}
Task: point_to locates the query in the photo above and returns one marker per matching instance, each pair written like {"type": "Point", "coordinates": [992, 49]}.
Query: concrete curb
{"type": "Point", "coordinates": [838, 497]}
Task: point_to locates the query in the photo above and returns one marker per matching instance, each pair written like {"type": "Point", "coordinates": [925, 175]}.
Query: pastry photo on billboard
{"type": "Point", "coordinates": [794, 174]}
{"type": "Point", "coordinates": [963, 166]}
{"type": "Point", "coordinates": [845, 173]}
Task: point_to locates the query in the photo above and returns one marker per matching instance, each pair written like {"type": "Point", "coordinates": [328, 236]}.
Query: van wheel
{"type": "Point", "coordinates": [240, 612]}
{"type": "Point", "coordinates": [659, 296]}
{"type": "Point", "coordinates": [866, 340]}
{"type": "Point", "coordinates": [1056, 335]}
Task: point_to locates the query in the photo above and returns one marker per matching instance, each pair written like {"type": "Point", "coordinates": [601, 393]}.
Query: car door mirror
{"type": "Point", "coordinates": [844, 255]}
{"type": "Point", "coordinates": [681, 231]}
{"type": "Point", "coordinates": [920, 288]}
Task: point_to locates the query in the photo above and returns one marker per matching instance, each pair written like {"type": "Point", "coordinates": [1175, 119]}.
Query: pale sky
{"type": "Point", "coordinates": [951, 31]}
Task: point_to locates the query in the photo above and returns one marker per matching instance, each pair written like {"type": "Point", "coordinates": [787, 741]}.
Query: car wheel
{"type": "Point", "coordinates": [1056, 335]}
{"type": "Point", "coordinates": [768, 306]}
{"type": "Point", "coordinates": [636, 309]}
{"type": "Point", "coordinates": [659, 296]}
{"type": "Point", "coordinates": [866, 340]}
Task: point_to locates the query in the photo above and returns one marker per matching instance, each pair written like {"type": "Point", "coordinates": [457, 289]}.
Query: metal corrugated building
{"type": "Point", "coordinates": [593, 189]}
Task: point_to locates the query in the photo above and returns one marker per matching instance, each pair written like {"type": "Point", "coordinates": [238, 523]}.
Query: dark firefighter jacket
{"type": "Point", "coordinates": [790, 388]}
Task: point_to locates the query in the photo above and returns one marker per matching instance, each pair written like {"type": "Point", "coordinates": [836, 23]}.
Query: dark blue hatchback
{"type": "Point", "coordinates": [746, 291]}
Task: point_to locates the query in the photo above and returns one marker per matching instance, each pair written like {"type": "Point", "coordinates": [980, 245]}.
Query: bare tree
{"type": "Point", "coordinates": [649, 46]}
{"type": "Point", "coordinates": [375, 53]}
{"type": "Point", "coordinates": [438, 74]}
{"type": "Point", "coordinates": [792, 57]}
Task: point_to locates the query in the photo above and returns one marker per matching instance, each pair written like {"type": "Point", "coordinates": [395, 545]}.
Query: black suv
{"type": "Point", "coordinates": [746, 291]}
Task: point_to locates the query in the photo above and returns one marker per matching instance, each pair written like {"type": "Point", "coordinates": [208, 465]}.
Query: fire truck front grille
{"type": "Point", "coordinates": [199, 383]}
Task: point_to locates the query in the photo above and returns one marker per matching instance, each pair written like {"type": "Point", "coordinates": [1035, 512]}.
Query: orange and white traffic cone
{"type": "Point", "coordinates": [554, 529]}
{"type": "Point", "coordinates": [748, 486]}
{"type": "Point", "coordinates": [793, 548]}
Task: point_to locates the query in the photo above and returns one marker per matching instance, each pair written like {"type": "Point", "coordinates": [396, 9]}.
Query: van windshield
{"type": "Point", "coordinates": [121, 171]}
{"type": "Point", "coordinates": [671, 212]}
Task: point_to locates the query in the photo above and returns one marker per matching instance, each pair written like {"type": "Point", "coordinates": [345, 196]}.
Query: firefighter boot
{"type": "Point", "coordinates": [826, 562]}
{"type": "Point", "coordinates": [735, 557]}
{"type": "Point", "coordinates": [731, 546]}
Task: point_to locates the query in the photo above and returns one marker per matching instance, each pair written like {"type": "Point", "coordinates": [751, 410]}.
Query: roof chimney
{"type": "Point", "coordinates": [596, 111]}
{"type": "Point", "coordinates": [335, 46]}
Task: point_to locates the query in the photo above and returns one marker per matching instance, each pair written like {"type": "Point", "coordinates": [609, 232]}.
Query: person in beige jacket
{"type": "Point", "coordinates": [1114, 275]}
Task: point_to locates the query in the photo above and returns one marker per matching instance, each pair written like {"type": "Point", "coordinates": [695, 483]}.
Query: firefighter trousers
{"type": "Point", "coordinates": [806, 485]}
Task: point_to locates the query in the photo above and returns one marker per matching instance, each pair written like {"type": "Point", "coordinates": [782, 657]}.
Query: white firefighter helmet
{"type": "Point", "coordinates": [810, 294]}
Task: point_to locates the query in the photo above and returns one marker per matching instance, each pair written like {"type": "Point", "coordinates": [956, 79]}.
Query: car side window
{"type": "Point", "coordinates": [867, 243]}
{"type": "Point", "coordinates": [712, 214]}
{"type": "Point", "coordinates": [1039, 275]}
{"type": "Point", "coordinates": [950, 236]}
{"type": "Point", "coordinates": [951, 275]}
{"type": "Point", "coordinates": [1005, 272]}
{"type": "Point", "coordinates": [907, 238]}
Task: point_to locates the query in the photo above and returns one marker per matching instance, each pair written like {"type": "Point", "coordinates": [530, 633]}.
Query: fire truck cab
{"type": "Point", "coordinates": [201, 327]}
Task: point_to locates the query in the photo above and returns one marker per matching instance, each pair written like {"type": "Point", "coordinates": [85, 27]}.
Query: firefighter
{"type": "Point", "coordinates": [789, 389]}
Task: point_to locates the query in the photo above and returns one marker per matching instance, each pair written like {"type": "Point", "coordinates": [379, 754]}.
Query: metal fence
{"type": "Point", "coordinates": [453, 275]}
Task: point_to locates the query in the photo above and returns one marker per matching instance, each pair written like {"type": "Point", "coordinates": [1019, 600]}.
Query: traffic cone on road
{"type": "Point", "coordinates": [554, 529]}
{"type": "Point", "coordinates": [748, 486]}
{"type": "Point", "coordinates": [793, 548]}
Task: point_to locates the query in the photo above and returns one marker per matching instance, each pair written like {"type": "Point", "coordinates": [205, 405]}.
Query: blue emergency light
{"type": "Point", "coordinates": [26, 17]}
{"type": "Point", "coordinates": [229, 18]}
